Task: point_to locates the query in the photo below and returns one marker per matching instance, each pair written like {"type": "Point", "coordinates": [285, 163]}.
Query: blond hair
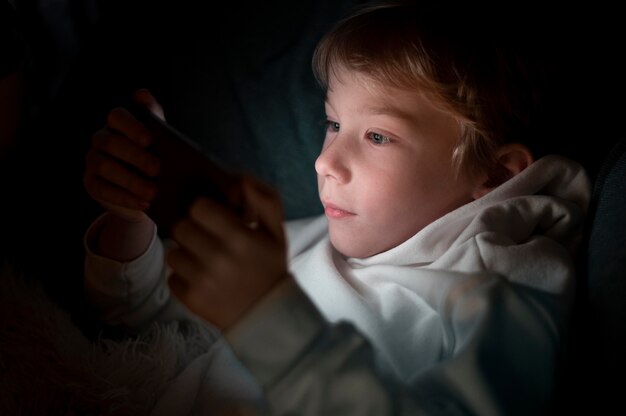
{"type": "Point", "coordinates": [468, 70]}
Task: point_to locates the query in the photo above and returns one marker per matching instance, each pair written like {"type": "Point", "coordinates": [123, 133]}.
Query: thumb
{"type": "Point", "coordinates": [145, 98]}
{"type": "Point", "coordinates": [263, 203]}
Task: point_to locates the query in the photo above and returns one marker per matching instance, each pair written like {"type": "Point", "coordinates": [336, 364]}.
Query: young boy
{"type": "Point", "coordinates": [445, 244]}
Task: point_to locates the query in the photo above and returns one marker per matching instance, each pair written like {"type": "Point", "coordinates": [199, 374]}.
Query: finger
{"type": "Point", "coordinates": [264, 201]}
{"type": "Point", "coordinates": [145, 98]}
{"type": "Point", "coordinates": [179, 287]}
{"type": "Point", "coordinates": [123, 121]}
{"type": "Point", "coordinates": [184, 291]}
{"type": "Point", "coordinates": [184, 264]}
{"type": "Point", "coordinates": [196, 240]}
{"type": "Point", "coordinates": [114, 172]}
{"type": "Point", "coordinates": [218, 220]}
{"type": "Point", "coordinates": [120, 147]}
{"type": "Point", "coordinates": [107, 193]}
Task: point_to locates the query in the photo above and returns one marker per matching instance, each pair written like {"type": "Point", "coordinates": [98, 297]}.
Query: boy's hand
{"type": "Point", "coordinates": [117, 160]}
{"type": "Point", "coordinates": [224, 264]}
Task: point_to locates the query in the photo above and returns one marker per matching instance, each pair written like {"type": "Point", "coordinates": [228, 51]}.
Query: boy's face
{"type": "Point", "coordinates": [385, 171]}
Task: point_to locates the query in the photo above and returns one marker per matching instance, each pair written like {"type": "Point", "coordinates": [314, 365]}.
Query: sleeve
{"type": "Point", "coordinates": [503, 362]}
{"type": "Point", "coordinates": [133, 294]}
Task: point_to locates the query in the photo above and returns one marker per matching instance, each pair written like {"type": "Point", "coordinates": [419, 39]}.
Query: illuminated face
{"type": "Point", "coordinates": [385, 171]}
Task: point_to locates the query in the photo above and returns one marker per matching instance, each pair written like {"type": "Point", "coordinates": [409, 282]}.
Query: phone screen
{"type": "Point", "coordinates": [187, 171]}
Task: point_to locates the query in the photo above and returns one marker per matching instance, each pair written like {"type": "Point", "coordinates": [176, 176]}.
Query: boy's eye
{"type": "Point", "coordinates": [332, 126]}
{"type": "Point", "coordinates": [378, 138]}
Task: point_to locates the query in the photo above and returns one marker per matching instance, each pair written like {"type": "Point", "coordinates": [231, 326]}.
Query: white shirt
{"type": "Point", "coordinates": [468, 315]}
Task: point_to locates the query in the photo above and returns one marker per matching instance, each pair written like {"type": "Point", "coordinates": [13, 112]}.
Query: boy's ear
{"type": "Point", "coordinates": [511, 159]}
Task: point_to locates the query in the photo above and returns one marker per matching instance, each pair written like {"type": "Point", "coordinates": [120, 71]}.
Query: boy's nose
{"type": "Point", "coordinates": [332, 161]}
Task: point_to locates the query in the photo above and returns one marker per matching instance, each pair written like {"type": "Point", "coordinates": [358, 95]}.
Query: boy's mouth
{"type": "Point", "coordinates": [335, 212]}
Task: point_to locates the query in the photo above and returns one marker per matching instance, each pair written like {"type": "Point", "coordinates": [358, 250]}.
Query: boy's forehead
{"type": "Point", "coordinates": [372, 96]}
{"type": "Point", "coordinates": [372, 86]}
{"type": "Point", "coordinates": [353, 95]}
{"type": "Point", "coordinates": [342, 76]}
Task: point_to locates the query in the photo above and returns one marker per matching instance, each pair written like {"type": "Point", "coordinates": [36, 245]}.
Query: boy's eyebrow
{"type": "Point", "coordinates": [388, 110]}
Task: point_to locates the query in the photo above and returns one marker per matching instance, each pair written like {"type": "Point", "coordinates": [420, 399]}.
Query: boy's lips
{"type": "Point", "coordinates": [335, 212]}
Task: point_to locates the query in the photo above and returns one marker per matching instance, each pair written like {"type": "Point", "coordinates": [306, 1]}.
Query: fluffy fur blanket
{"type": "Point", "coordinates": [48, 367]}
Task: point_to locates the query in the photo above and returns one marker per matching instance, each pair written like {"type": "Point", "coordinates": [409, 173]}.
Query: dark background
{"type": "Point", "coordinates": [237, 79]}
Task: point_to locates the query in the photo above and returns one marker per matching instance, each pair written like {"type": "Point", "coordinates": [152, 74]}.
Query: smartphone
{"type": "Point", "coordinates": [187, 172]}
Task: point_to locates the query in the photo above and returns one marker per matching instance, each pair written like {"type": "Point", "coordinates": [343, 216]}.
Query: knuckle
{"type": "Point", "coordinates": [243, 245]}
{"type": "Point", "coordinates": [221, 265]}
{"type": "Point", "coordinates": [179, 231]}
{"type": "Point", "coordinates": [198, 208]}
{"type": "Point", "coordinates": [99, 139]}
{"type": "Point", "coordinates": [137, 186]}
{"type": "Point", "coordinates": [106, 193]}
{"type": "Point", "coordinates": [114, 115]}
{"type": "Point", "coordinates": [149, 163]}
{"type": "Point", "coordinates": [107, 144]}
{"type": "Point", "coordinates": [103, 167]}
{"type": "Point", "coordinates": [207, 286]}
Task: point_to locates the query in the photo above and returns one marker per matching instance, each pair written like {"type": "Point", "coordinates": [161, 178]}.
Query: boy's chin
{"type": "Point", "coordinates": [353, 249]}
